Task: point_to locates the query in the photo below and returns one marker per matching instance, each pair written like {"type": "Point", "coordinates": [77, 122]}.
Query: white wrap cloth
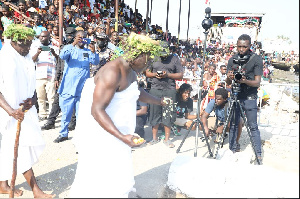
{"type": "Point", "coordinates": [17, 83]}
{"type": "Point", "coordinates": [105, 167]}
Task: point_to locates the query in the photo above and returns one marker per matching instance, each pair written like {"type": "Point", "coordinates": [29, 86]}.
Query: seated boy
{"type": "Point", "coordinates": [220, 104]}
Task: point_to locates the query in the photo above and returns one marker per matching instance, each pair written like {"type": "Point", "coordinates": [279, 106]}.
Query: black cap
{"type": "Point", "coordinates": [70, 30]}
{"type": "Point", "coordinates": [101, 35]}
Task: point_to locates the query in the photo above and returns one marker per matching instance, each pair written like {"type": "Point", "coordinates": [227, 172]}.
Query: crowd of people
{"type": "Point", "coordinates": [91, 77]}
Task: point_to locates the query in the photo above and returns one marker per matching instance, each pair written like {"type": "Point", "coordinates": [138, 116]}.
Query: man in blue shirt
{"type": "Point", "coordinates": [76, 71]}
{"type": "Point", "coordinates": [0, 39]}
{"type": "Point", "coordinates": [219, 105]}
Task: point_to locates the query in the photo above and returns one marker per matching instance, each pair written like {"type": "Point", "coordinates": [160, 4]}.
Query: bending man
{"type": "Point", "coordinates": [17, 87]}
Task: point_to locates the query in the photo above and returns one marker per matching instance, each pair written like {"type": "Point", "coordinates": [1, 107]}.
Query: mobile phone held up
{"type": "Point", "coordinates": [159, 72]}
{"type": "Point", "coordinates": [86, 40]}
{"type": "Point", "coordinates": [45, 48]}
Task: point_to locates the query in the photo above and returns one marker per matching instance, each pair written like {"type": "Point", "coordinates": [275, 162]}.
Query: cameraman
{"type": "Point", "coordinates": [252, 70]}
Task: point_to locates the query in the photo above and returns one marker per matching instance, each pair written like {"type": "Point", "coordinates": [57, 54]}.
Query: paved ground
{"type": "Point", "coordinates": [57, 166]}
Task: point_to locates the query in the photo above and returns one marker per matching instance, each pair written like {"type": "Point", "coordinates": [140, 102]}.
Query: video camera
{"type": "Point", "coordinates": [238, 70]}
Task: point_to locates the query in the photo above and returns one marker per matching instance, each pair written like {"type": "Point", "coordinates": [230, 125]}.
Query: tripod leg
{"type": "Point", "coordinates": [243, 114]}
{"type": "Point", "coordinates": [206, 139]}
{"type": "Point", "coordinates": [187, 133]}
{"type": "Point", "coordinates": [224, 129]}
{"type": "Point", "coordinates": [196, 139]}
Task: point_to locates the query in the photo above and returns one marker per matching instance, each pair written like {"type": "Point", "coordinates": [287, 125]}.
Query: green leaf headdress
{"type": "Point", "coordinates": [137, 44]}
{"type": "Point", "coordinates": [16, 32]}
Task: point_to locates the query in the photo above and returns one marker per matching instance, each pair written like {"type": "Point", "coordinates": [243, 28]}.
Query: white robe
{"type": "Point", "coordinates": [105, 168]}
{"type": "Point", "coordinates": [17, 83]}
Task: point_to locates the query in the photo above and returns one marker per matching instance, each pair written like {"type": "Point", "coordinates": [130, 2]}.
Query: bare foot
{"type": "Point", "coordinates": [6, 190]}
{"type": "Point", "coordinates": [41, 194]}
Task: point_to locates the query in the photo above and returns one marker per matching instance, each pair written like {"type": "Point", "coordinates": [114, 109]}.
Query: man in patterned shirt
{"type": "Point", "coordinates": [104, 52]}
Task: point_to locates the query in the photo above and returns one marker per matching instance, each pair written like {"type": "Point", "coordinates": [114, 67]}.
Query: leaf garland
{"type": "Point", "coordinates": [137, 44]}
{"type": "Point", "coordinates": [16, 32]}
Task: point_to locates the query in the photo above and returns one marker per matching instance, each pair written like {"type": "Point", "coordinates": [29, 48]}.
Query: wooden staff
{"type": "Point", "coordinates": [14, 174]}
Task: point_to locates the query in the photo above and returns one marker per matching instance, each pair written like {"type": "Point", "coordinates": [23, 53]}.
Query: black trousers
{"type": "Point", "coordinates": [140, 123]}
{"type": "Point", "coordinates": [56, 110]}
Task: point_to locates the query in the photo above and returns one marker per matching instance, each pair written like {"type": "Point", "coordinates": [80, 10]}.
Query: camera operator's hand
{"type": "Point", "coordinates": [242, 80]}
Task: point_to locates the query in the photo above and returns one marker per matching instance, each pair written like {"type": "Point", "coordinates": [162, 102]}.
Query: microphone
{"type": "Point", "coordinates": [207, 10]}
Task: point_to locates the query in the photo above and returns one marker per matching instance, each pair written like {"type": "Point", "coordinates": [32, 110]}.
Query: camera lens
{"type": "Point", "coordinates": [238, 76]}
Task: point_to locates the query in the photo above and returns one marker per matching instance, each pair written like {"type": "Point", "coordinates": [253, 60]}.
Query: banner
{"type": "Point", "coordinates": [231, 34]}
{"type": "Point", "coordinates": [241, 20]}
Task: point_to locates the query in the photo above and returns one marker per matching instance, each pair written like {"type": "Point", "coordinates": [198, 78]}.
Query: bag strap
{"type": "Point", "coordinates": [253, 55]}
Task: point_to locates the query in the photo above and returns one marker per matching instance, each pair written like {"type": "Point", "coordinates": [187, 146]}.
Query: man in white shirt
{"type": "Point", "coordinates": [45, 60]}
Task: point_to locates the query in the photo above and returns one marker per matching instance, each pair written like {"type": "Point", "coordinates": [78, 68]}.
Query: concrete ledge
{"type": "Point", "coordinates": [210, 178]}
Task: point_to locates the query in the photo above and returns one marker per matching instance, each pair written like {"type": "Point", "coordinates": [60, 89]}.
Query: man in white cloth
{"type": "Point", "coordinates": [106, 122]}
{"type": "Point", "coordinates": [17, 87]}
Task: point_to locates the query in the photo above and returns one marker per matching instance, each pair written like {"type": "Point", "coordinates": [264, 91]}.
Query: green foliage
{"type": "Point", "coordinates": [138, 44]}
{"type": "Point", "coordinates": [16, 32]}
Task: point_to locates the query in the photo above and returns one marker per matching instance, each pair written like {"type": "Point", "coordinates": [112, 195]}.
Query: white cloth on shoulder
{"type": "Point", "coordinates": [105, 167]}
{"type": "Point", "coordinates": [17, 83]}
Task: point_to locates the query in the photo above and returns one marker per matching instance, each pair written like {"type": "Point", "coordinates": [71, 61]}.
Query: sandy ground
{"type": "Point", "coordinates": [56, 168]}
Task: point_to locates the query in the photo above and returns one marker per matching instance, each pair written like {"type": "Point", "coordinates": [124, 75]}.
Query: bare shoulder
{"type": "Point", "coordinates": [109, 72]}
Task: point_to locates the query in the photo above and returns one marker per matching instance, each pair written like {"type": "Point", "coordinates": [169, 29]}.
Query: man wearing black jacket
{"type": "Point", "coordinates": [50, 124]}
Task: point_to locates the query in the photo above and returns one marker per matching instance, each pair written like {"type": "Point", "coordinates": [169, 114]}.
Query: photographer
{"type": "Point", "coordinates": [249, 66]}
{"type": "Point", "coordinates": [55, 110]}
{"type": "Point", "coordinates": [45, 56]}
{"type": "Point", "coordinates": [163, 73]}
{"type": "Point", "coordinates": [76, 71]}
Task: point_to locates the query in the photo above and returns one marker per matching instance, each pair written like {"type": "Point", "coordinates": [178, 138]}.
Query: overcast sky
{"type": "Point", "coordinates": [281, 16]}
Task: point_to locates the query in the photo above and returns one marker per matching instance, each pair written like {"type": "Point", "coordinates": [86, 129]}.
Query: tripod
{"type": "Point", "coordinates": [235, 102]}
{"type": "Point", "coordinates": [206, 24]}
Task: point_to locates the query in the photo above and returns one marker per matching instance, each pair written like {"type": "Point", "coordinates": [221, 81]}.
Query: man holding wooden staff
{"type": "Point", "coordinates": [17, 88]}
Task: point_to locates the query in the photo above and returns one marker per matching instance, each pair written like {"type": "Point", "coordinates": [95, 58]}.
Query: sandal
{"type": "Point", "coordinates": [175, 130]}
{"type": "Point", "coordinates": [169, 144]}
{"type": "Point", "coordinates": [162, 136]}
{"type": "Point", "coordinates": [217, 140]}
{"type": "Point", "coordinates": [153, 142]}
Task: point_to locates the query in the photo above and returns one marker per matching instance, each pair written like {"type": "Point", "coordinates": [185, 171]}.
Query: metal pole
{"type": "Point", "coordinates": [151, 11]}
{"type": "Point", "coordinates": [179, 22]}
{"type": "Point", "coordinates": [116, 14]}
{"type": "Point", "coordinates": [147, 16]}
{"type": "Point", "coordinates": [135, 12]}
{"type": "Point", "coordinates": [61, 21]}
{"type": "Point", "coordinates": [187, 32]}
{"type": "Point", "coordinates": [167, 21]}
